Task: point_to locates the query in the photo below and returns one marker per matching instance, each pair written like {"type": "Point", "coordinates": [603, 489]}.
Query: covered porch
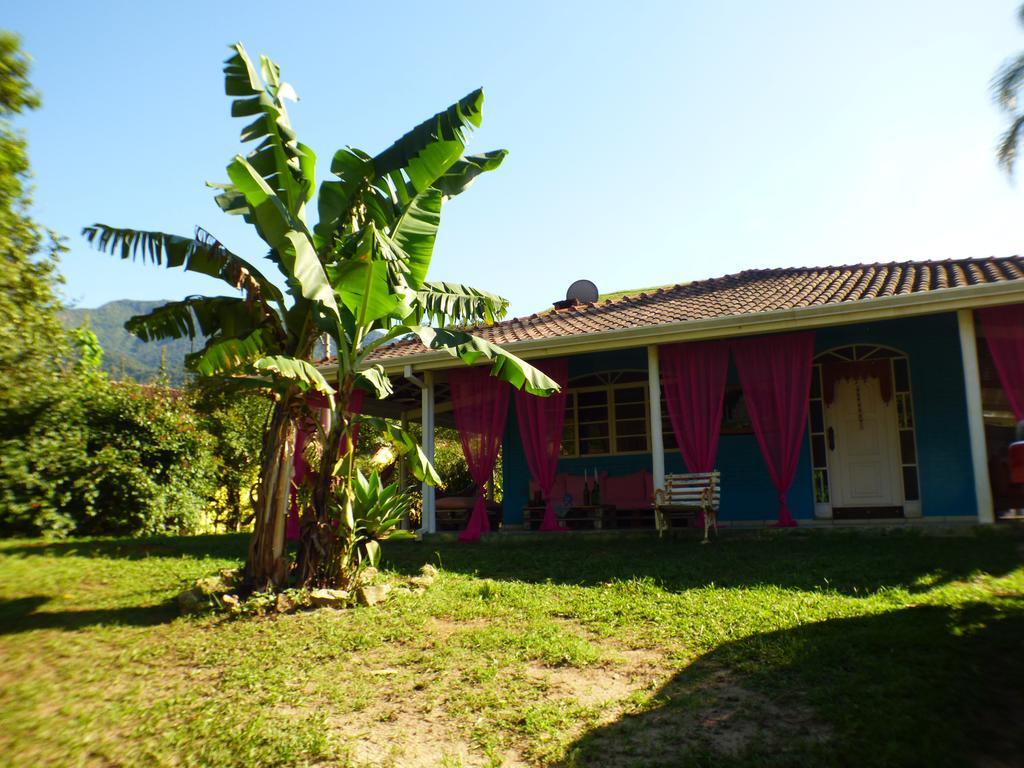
{"type": "Point", "coordinates": [884, 421]}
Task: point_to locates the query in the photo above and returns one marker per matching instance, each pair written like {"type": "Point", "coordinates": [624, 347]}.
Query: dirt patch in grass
{"type": "Point", "coordinates": [407, 737]}
{"type": "Point", "coordinates": [718, 716]}
{"type": "Point", "coordinates": [413, 725]}
{"type": "Point", "coordinates": [588, 687]}
{"type": "Point", "coordinates": [440, 629]}
{"type": "Point", "coordinates": [621, 674]}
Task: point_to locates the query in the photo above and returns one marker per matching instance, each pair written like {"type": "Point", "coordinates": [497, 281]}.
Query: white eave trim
{"type": "Point", "coordinates": [800, 318]}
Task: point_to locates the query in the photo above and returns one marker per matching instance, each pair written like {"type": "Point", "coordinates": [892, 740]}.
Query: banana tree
{"type": "Point", "coordinates": [357, 277]}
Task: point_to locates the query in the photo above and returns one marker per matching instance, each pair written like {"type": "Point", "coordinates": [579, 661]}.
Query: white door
{"type": "Point", "coordinates": [862, 437]}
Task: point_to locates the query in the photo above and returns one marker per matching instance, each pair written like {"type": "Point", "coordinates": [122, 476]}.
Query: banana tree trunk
{"type": "Point", "coordinates": [266, 565]}
{"type": "Point", "coordinates": [325, 538]}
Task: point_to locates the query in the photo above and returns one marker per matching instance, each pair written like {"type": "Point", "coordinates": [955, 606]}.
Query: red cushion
{"type": "Point", "coordinates": [1016, 461]}
{"type": "Point", "coordinates": [628, 491]}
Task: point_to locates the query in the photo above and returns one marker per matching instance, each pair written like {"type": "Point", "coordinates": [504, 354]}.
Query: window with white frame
{"type": "Point", "coordinates": [606, 414]}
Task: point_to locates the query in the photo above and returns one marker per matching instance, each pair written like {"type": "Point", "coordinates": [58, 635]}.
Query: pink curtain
{"type": "Point", "coordinates": [320, 416]}
{"type": "Point", "coordinates": [480, 405]}
{"type": "Point", "coordinates": [693, 379]}
{"type": "Point", "coordinates": [540, 426]}
{"type": "Point", "coordinates": [776, 376]}
{"type": "Point", "coordinates": [1003, 329]}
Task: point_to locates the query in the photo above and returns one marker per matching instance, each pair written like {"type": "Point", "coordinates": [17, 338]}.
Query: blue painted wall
{"type": "Point", "coordinates": [932, 344]}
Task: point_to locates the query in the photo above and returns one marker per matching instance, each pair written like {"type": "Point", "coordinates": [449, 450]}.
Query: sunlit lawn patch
{"type": "Point", "coordinates": [760, 650]}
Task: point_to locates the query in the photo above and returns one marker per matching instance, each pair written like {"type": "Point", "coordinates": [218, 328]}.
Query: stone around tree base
{"type": "Point", "coordinates": [329, 598]}
{"type": "Point", "coordinates": [371, 595]}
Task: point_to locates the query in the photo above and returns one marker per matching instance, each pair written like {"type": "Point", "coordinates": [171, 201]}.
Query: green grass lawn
{"type": "Point", "coordinates": [773, 649]}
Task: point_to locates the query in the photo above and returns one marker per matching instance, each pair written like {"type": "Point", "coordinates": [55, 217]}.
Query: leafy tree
{"type": "Point", "coordinates": [31, 335]}
{"type": "Point", "coordinates": [32, 341]}
{"type": "Point", "coordinates": [358, 277]}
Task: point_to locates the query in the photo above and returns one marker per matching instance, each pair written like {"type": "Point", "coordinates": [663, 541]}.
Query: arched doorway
{"type": "Point", "coordinates": [863, 449]}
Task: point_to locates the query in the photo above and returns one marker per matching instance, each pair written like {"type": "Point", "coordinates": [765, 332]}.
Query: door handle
{"type": "Point", "coordinates": [831, 439]}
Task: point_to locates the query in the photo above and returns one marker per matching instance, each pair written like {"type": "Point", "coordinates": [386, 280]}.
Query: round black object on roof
{"type": "Point", "coordinates": [582, 291]}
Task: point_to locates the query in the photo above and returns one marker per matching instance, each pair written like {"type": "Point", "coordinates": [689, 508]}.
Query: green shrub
{"type": "Point", "coordinates": [91, 456]}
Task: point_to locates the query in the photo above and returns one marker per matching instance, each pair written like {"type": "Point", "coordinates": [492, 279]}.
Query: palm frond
{"type": "Point", "coordinates": [426, 152]}
{"type": "Point", "coordinates": [228, 356]}
{"type": "Point", "coordinates": [289, 240]}
{"type": "Point", "coordinates": [300, 372]}
{"type": "Point", "coordinates": [454, 304]}
{"type": "Point", "coordinates": [203, 254]}
{"type": "Point", "coordinates": [469, 349]}
{"type": "Point", "coordinates": [1006, 152]}
{"type": "Point", "coordinates": [200, 316]}
{"type": "Point", "coordinates": [1007, 83]}
{"type": "Point", "coordinates": [457, 179]}
{"type": "Point", "coordinates": [284, 163]}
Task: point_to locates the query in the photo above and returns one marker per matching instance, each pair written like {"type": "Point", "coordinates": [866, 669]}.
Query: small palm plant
{"type": "Point", "coordinates": [379, 511]}
{"type": "Point", "coordinates": [357, 277]}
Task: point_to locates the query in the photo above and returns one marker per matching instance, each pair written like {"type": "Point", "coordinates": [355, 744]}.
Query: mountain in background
{"type": "Point", "coordinates": [127, 355]}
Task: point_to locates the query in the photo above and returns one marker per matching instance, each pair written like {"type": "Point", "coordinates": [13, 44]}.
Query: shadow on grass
{"type": "Point", "coordinates": [221, 546]}
{"type": "Point", "coordinates": [24, 615]}
{"type": "Point", "coordinates": [929, 686]}
{"type": "Point", "coordinates": [850, 563]}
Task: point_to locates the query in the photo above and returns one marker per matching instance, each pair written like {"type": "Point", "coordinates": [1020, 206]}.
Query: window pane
{"type": "Point", "coordinates": [595, 398]}
{"type": "Point", "coordinates": [821, 486]}
{"type": "Point", "coordinates": [901, 374]}
{"type": "Point", "coordinates": [569, 429]}
{"type": "Point", "coordinates": [907, 452]}
{"type": "Point", "coordinates": [818, 450]}
{"type": "Point", "coordinates": [629, 394]}
{"type": "Point", "coordinates": [568, 440]}
{"type": "Point", "coordinates": [631, 427]}
{"type": "Point", "coordinates": [816, 381]}
{"type": "Point", "coordinates": [630, 411]}
{"type": "Point", "coordinates": [910, 492]}
{"type": "Point", "coordinates": [668, 436]}
{"type": "Point", "coordinates": [593, 446]}
{"type": "Point", "coordinates": [593, 416]}
{"type": "Point", "coordinates": [904, 413]}
{"type": "Point", "coordinates": [598, 429]}
{"type": "Point", "coordinates": [626, 377]}
{"type": "Point", "coordinates": [735, 419]}
{"type": "Point", "coordinates": [631, 444]}
{"type": "Point", "coordinates": [817, 416]}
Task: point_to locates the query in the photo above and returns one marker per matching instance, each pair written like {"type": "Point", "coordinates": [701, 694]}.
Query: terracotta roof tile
{"type": "Point", "coordinates": [752, 291]}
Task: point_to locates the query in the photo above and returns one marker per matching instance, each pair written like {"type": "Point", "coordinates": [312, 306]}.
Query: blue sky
{"type": "Point", "coordinates": [650, 143]}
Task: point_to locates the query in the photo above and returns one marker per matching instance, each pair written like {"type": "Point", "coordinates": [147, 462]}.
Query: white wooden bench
{"type": "Point", "coordinates": [685, 496]}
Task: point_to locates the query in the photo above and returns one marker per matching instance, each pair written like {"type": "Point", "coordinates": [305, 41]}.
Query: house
{"type": "Point", "coordinates": [863, 392]}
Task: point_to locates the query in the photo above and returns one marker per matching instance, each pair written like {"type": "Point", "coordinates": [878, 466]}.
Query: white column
{"type": "Point", "coordinates": [975, 418]}
{"type": "Point", "coordinates": [654, 396]}
{"type": "Point", "coordinates": [429, 522]}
